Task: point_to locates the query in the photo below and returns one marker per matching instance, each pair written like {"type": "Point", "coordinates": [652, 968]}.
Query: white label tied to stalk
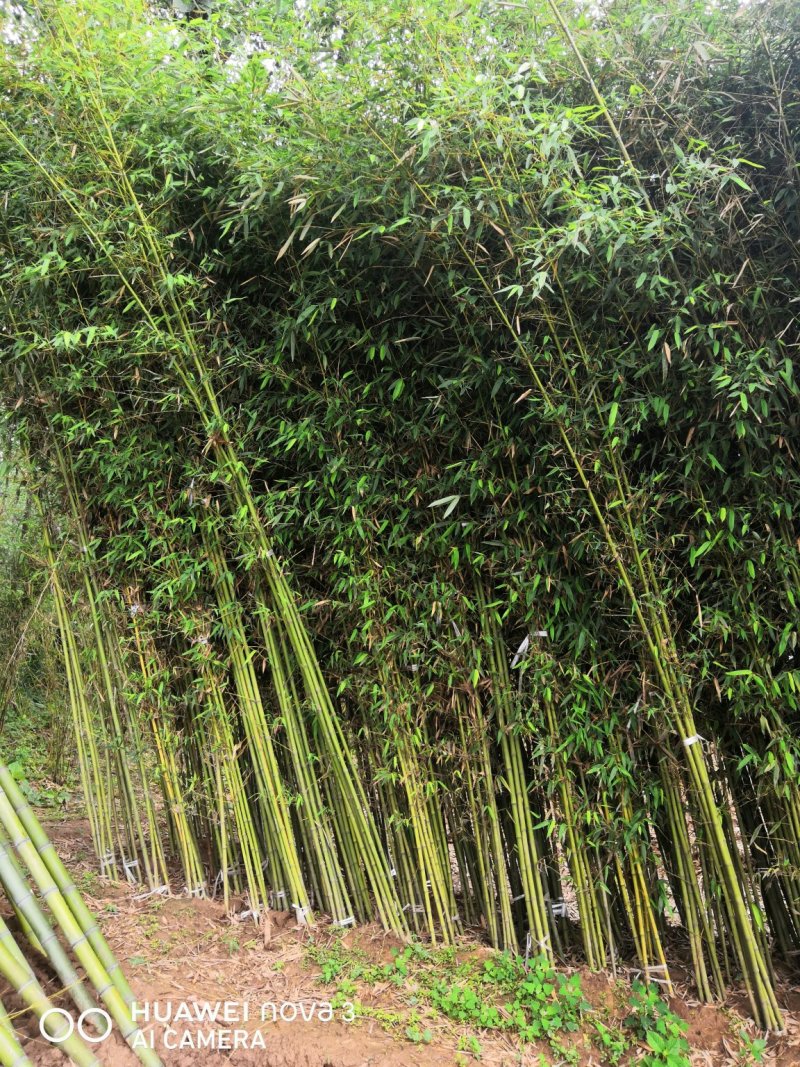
{"type": "Point", "coordinates": [160, 890]}
{"type": "Point", "coordinates": [301, 914]}
{"type": "Point", "coordinates": [525, 645]}
{"type": "Point", "coordinates": [657, 973]}
{"type": "Point", "coordinates": [229, 873]}
{"type": "Point", "coordinates": [688, 741]}
{"type": "Point", "coordinates": [349, 921]}
{"type": "Point", "coordinates": [129, 866]}
{"type": "Point", "coordinates": [523, 648]}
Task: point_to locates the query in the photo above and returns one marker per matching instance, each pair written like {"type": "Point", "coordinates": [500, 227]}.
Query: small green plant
{"type": "Point", "coordinates": [463, 1003]}
{"type": "Point", "coordinates": [470, 1043]}
{"type": "Point", "coordinates": [658, 1027]}
{"type": "Point", "coordinates": [150, 925]}
{"type": "Point", "coordinates": [346, 988]}
{"type": "Point", "coordinates": [567, 1053]}
{"type": "Point", "coordinates": [331, 969]}
{"type": "Point", "coordinates": [389, 1020]}
{"type": "Point", "coordinates": [231, 943]}
{"type": "Point", "coordinates": [503, 970]}
{"type": "Point", "coordinates": [546, 1003]}
{"type": "Point", "coordinates": [398, 969]}
{"type": "Point", "coordinates": [88, 880]}
{"type": "Point", "coordinates": [419, 1037]}
{"type": "Point", "coordinates": [752, 1049]}
{"type": "Point", "coordinates": [612, 1043]}
{"type": "Point", "coordinates": [345, 994]}
{"type": "Point", "coordinates": [329, 959]}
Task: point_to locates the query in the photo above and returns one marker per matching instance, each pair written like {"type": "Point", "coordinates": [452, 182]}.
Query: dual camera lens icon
{"type": "Point", "coordinates": [101, 1021]}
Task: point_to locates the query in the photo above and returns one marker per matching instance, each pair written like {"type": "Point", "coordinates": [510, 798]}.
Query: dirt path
{"type": "Point", "coordinates": [177, 951]}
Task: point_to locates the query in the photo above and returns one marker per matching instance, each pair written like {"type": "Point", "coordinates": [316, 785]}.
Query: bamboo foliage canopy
{"type": "Point", "coordinates": [415, 391]}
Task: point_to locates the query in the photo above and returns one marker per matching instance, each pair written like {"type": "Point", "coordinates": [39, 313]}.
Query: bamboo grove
{"type": "Point", "coordinates": [409, 395]}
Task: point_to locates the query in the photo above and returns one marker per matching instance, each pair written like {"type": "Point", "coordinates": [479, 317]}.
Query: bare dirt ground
{"type": "Point", "coordinates": [176, 950]}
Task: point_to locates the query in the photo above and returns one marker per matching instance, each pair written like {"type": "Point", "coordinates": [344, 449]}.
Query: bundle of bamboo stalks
{"type": "Point", "coordinates": [35, 882]}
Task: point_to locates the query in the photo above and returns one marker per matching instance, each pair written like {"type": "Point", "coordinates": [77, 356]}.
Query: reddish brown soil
{"type": "Point", "coordinates": [180, 950]}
